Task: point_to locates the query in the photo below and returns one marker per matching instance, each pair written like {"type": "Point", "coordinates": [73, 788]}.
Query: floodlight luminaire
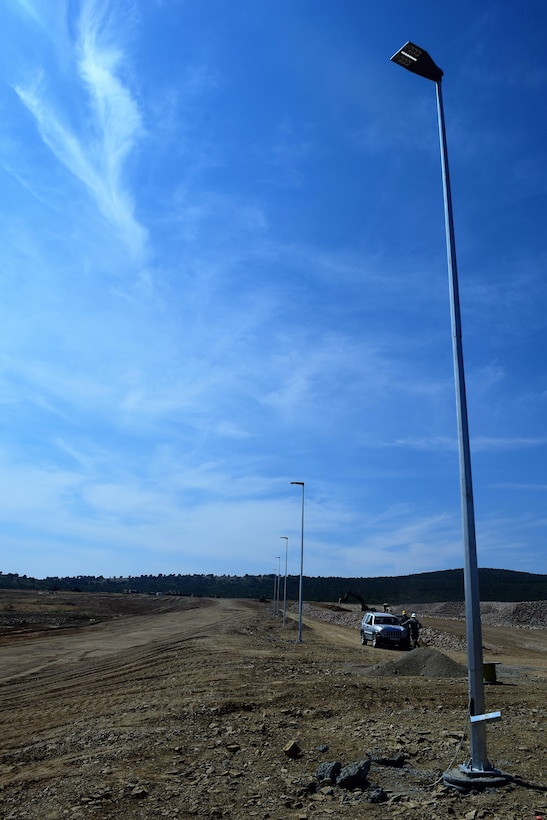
{"type": "Point", "coordinates": [417, 60]}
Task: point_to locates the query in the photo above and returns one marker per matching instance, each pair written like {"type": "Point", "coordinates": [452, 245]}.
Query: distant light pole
{"type": "Point", "coordinates": [299, 639]}
{"type": "Point", "coordinates": [285, 585]}
{"type": "Point", "coordinates": [418, 61]}
{"type": "Point", "coordinates": [278, 557]}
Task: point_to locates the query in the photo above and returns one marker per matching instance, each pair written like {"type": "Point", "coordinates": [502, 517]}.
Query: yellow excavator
{"type": "Point", "coordinates": [349, 594]}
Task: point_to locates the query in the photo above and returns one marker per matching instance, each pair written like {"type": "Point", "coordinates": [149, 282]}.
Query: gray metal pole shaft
{"type": "Point", "coordinates": [286, 539]}
{"type": "Point", "coordinates": [278, 585]}
{"type": "Point", "coordinates": [300, 586]}
{"type": "Point", "coordinates": [479, 759]}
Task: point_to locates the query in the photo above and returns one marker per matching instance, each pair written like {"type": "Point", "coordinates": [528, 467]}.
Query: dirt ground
{"type": "Point", "coordinates": [134, 706]}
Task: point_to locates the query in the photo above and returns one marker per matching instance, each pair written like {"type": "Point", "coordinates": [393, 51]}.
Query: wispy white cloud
{"type": "Point", "coordinates": [478, 443]}
{"type": "Point", "coordinates": [400, 541]}
{"type": "Point", "coordinates": [432, 443]}
{"type": "Point", "coordinates": [96, 151]}
{"type": "Point", "coordinates": [493, 444]}
{"type": "Point", "coordinates": [29, 7]}
{"type": "Point", "coordinates": [514, 485]}
{"type": "Point", "coordinates": [172, 514]}
{"type": "Point", "coordinates": [501, 537]}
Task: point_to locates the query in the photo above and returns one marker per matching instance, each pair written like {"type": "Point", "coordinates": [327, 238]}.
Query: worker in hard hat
{"type": "Point", "coordinates": [413, 625]}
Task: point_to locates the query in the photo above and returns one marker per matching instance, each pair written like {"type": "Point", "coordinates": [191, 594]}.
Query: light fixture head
{"type": "Point", "coordinates": [417, 60]}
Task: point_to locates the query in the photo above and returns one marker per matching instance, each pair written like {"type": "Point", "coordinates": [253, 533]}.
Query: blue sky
{"type": "Point", "coordinates": [223, 269]}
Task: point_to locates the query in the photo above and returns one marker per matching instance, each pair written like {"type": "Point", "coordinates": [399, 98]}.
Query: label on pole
{"type": "Point", "coordinates": [487, 716]}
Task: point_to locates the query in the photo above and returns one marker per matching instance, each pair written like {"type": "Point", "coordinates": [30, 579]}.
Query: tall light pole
{"type": "Point", "coordinates": [478, 770]}
{"type": "Point", "coordinates": [285, 537]}
{"type": "Point", "coordinates": [299, 639]}
{"type": "Point", "coordinates": [278, 557]}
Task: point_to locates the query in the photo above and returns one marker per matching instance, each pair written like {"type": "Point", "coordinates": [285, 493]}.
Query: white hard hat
{"type": "Point", "coordinates": [413, 615]}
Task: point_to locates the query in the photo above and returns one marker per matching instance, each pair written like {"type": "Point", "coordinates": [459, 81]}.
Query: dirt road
{"type": "Point", "coordinates": [182, 708]}
{"type": "Point", "coordinates": [106, 642]}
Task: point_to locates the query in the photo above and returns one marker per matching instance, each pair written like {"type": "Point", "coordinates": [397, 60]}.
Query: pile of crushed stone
{"type": "Point", "coordinates": [442, 640]}
{"type": "Point", "coordinates": [425, 662]}
{"type": "Point", "coordinates": [528, 614]}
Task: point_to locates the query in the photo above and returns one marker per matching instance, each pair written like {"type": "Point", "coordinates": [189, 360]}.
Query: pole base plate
{"type": "Point", "coordinates": [464, 782]}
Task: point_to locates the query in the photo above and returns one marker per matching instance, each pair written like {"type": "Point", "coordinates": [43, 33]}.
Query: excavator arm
{"type": "Point", "coordinates": [349, 594]}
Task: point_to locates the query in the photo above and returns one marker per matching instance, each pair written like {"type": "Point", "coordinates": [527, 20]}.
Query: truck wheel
{"type": "Point", "coordinates": [363, 639]}
{"type": "Point", "coordinates": [375, 640]}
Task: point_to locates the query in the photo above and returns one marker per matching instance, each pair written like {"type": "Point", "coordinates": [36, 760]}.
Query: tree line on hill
{"type": "Point", "coordinates": [425, 587]}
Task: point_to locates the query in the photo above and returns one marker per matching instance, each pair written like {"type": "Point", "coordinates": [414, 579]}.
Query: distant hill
{"type": "Point", "coordinates": [425, 587]}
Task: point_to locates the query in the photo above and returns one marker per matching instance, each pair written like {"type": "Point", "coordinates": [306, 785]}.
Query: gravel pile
{"type": "Point", "coordinates": [333, 614]}
{"type": "Point", "coordinates": [528, 614]}
{"type": "Point", "coordinates": [442, 640]}
{"type": "Point", "coordinates": [426, 663]}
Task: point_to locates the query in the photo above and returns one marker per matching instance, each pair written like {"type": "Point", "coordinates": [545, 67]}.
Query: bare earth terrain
{"type": "Point", "coordinates": [133, 706]}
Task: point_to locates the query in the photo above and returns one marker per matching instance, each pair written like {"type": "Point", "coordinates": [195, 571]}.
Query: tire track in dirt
{"type": "Point", "coordinates": [123, 656]}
